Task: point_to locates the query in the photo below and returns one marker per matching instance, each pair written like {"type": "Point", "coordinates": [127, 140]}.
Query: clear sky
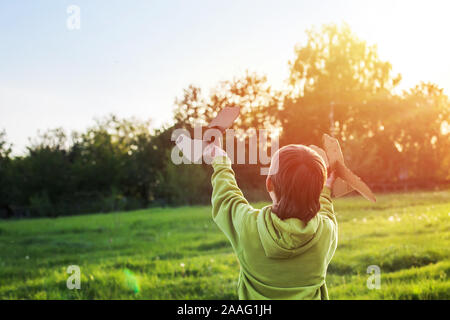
{"type": "Point", "coordinates": [132, 58]}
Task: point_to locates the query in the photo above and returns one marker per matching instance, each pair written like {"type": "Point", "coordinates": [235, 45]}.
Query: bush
{"type": "Point", "coordinates": [41, 205]}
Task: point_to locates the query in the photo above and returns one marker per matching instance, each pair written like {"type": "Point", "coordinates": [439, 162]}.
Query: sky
{"type": "Point", "coordinates": [133, 58]}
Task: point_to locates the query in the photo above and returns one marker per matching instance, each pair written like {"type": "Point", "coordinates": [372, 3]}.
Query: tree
{"type": "Point", "coordinates": [258, 101]}
{"type": "Point", "coordinates": [333, 78]}
{"type": "Point", "coordinates": [5, 175]}
{"type": "Point", "coordinates": [43, 175]}
{"type": "Point", "coordinates": [117, 156]}
{"type": "Point", "coordinates": [419, 136]}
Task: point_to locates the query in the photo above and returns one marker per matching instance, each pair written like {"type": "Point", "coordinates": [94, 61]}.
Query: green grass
{"type": "Point", "coordinates": [180, 254]}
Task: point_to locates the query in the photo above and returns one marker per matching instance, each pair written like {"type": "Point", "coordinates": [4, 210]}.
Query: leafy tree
{"type": "Point", "coordinates": [5, 175]}
{"type": "Point", "coordinates": [117, 155]}
{"type": "Point", "coordinates": [258, 101]}
{"type": "Point", "coordinates": [333, 78]}
{"type": "Point", "coordinates": [419, 137]}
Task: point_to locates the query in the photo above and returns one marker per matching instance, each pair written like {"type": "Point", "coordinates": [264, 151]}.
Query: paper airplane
{"type": "Point", "coordinates": [192, 149]}
{"type": "Point", "coordinates": [225, 118]}
{"type": "Point", "coordinates": [223, 121]}
{"type": "Point", "coordinates": [340, 187]}
{"type": "Point", "coordinates": [346, 180]}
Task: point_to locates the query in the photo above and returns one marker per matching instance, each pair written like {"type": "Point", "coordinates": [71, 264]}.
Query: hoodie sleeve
{"type": "Point", "coordinates": [326, 205]}
{"type": "Point", "coordinates": [229, 207]}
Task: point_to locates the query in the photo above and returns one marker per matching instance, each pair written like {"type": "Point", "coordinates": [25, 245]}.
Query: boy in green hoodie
{"type": "Point", "coordinates": [283, 249]}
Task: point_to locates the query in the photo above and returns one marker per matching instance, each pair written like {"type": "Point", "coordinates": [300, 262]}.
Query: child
{"type": "Point", "coordinates": [283, 249]}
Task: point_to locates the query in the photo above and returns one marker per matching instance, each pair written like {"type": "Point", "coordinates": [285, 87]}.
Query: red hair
{"type": "Point", "coordinates": [298, 182]}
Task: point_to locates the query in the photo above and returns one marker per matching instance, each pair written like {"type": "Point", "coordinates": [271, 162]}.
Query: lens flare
{"type": "Point", "coordinates": [131, 281]}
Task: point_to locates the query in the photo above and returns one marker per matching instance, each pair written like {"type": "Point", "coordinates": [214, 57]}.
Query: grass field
{"type": "Point", "coordinates": [179, 253]}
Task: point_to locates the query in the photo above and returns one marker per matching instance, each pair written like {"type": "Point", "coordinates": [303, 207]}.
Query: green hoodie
{"type": "Point", "coordinates": [279, 259]}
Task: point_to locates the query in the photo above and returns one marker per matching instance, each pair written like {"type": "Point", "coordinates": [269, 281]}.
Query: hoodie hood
{"type": "Point", "coordinates": [283, 239]}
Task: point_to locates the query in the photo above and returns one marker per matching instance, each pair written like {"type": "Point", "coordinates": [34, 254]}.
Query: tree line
{"type": "Point", "coordinates": [337, 84]}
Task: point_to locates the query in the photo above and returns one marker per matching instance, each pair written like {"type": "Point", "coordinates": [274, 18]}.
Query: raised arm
{"type": "Point", "coordinates": [326, 204]}
{"type": "Point", "coordinates": [229, 207]}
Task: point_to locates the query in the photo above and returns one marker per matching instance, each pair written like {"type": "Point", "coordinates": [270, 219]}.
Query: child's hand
{"type": "Point", "coordinates": [212, 151]}
{"type": "Point", "coordinates": [331, 178]}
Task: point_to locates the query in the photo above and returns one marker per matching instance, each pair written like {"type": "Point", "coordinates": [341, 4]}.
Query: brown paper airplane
{"type": "Point", "coordinates": [346, 180]}
{"type": "Point", "coordinates": [340, 187]}
{"type": "Point", "coordinates": [192, 149]}
{"type": "Point", "coordinates": [225, 118]}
